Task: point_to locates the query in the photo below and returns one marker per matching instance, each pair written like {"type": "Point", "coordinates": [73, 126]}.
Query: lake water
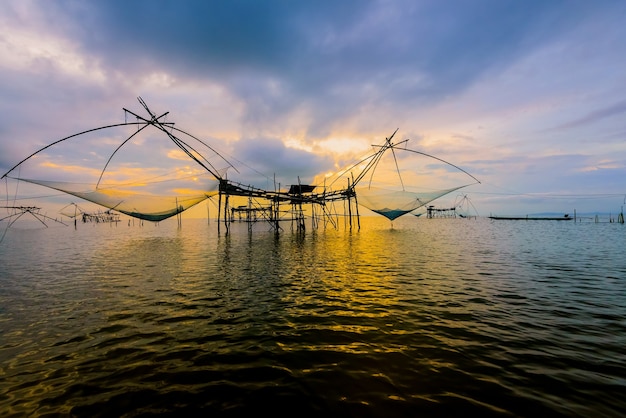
{"type": "Point", "coordinates": [428, 318]}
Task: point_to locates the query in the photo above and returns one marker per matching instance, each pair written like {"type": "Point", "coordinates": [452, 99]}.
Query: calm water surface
{"type": "Point", "coordinates": [430, 318]}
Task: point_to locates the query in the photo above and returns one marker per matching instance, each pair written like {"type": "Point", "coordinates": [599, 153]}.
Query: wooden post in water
{"type": "Point", "coordinates": [219, 208]}
{"type": "Point", "coordinates": [226, 215]}
{"type": "Point", "coordinates": [349, 205]}
{"type": "Point", "coordinates": [356, 205]}
{"type": "Point", "coordinates": [276, 208]}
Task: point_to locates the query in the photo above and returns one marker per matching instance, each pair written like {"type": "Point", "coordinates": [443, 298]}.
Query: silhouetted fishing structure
{"type": "Point", "coordinates": [459, 209]}
{"type": "Point", "coordinates": [76, 213]}
{"type": "Point", "coordinates": [16, 212]}
{"type": "Point", "coordinates": [163, 195]}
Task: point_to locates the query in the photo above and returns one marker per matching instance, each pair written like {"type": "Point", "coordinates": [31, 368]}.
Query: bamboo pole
{"type": "Point", "coordinates": [219, 209]}
{"type": "Point", "coordinates": [349, 205]}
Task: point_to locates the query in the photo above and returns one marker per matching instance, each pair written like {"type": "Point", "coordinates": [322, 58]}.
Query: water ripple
{"type": "Point", "coordinates": [431, 318]}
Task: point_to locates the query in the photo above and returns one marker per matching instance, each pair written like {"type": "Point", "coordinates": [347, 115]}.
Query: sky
{"type": "Point", "coordinates": [527, 96]}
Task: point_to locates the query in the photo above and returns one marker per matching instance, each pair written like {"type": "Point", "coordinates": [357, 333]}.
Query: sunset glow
{"type": "Point", "coordinates": [528, 98]}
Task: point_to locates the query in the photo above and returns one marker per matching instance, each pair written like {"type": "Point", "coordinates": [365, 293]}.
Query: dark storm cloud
{"type": "Point", "coordinates": [333, 56]}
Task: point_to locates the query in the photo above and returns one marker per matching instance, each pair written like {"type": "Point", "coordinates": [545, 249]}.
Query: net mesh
{"type": "Point", "coordinates": [395, 180]}
{"type": "Point", "coordinates": [146, 169]}
{"type": "Point", "coordinates": [147, 207]}
{"type": "Point", "coordinates": [394, 203]}
{"type": "Point", "coordinates": [151, 170]}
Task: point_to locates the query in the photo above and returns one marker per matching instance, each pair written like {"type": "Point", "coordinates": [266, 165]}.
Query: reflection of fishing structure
{"type": "Point", "coordinates": [165, 195]}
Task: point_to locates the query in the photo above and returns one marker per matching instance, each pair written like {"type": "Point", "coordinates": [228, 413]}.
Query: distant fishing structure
{"type": "Point", "coordinates": [16, 212]}
{"type": "Point", "coordinates": [145, 194]}
{"type": "Point", "coordinates": [76, 213]}
{"type": "Point", "coordinates": [460, 209]}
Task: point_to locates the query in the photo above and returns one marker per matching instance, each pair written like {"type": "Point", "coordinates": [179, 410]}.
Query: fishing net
{"type": "Point", "coordinates": [394, 203]}
{"type": "Point", "coordinates": [148, 169]}
{"type": "Point", "coordinates": [147, 207]}
{"type": "Point", "coordinates": [145, 168]}
{"type": "Point", "coordinates": [395, 180]}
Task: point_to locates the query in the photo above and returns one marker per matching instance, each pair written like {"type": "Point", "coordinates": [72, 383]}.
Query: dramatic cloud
{"type": "Point", "coordinates": [523, 94]}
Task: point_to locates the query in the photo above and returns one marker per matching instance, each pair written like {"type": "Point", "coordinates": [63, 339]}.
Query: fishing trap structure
{"type": "Point", "coordinates": [149, 169]}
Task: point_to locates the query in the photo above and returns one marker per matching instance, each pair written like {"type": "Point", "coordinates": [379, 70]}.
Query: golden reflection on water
{"type": "Point", "coordinates": [429, 310]}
